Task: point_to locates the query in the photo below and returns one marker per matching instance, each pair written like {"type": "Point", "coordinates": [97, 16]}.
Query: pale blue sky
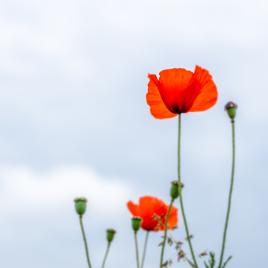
{"type": "Point", "coordinates": [73, 120]}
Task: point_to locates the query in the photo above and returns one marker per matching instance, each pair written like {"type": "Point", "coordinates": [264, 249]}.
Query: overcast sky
{"type": "Point", "coordinates": [74, 121]}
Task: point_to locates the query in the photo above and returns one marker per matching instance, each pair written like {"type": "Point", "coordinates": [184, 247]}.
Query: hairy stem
{"type": "Point", "coordinates": [181, 196]}
{"type": "Point", "coordinates": [106, 254]}
{"type": "Point", "coordinates": [229, 197]}
{"type": "Point", "coordinates": [165, 234]}
{"type": "Point", "coordinates": [137, 249]}
{"type": "Point", "coordinates": [85, 241]}
{"type": "Point", "coordinates": [145, 248]}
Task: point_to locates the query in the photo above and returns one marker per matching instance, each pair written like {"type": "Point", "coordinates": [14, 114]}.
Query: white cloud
{"type": "Point", "coordinates": [25, 190]}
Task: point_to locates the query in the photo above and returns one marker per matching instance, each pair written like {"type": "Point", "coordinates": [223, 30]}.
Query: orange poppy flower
{"type": "Point", "coordinates": [180, 91]}
{"type": "Point", "coordinates": [153, 213]}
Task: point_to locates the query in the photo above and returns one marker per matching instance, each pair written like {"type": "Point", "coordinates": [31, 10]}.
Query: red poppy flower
{"type": "Point", "coordinates": [180, 91]}
{"type": "Point", "coordinates": [153, 213]}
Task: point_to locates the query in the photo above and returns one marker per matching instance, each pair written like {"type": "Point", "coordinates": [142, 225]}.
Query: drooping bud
{"type": "Point", "coordinates": [136, 223]}
{"type": "Point", "coordinates": [80, 205]}
{"type": "Point", "coordinates": [231, 108]}
{"type": "Point", "coordinates": [110, 233]}
{"type": "Point", "coordinates": [175, 190]}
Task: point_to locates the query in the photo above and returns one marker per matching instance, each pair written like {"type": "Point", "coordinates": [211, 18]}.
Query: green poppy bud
{"type": "Point", "coordinates": [231, 108]}
{"type": "Point", "coordinates": [136, 223]}
{"type": "Point", "coordinates": [175, 190]}
{"type": "Point", "coordinates": [80, 205]}
{"type": "Point", "coordinates": [110, 233]}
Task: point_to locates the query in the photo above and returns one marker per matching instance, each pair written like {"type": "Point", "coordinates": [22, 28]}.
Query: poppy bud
{"type": "Point", "coordinates": [231, 108]}
{"type": "Point", "coordinates": [110, 233]}
{"type": "Point", "coordinates": [175, 189]}
{"type": "Point", "coordinates": [136, 223]}
{"type": "Point", "coordinates": [80, 205]}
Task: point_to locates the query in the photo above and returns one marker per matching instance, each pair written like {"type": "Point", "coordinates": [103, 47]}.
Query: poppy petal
{"type": "Point", "coordinates": [147, 206]}
{"type": "Point", "coordinates": [154, 100]}
{"type": "Point", "coordinates": [133, 208]}
{"type": "Point", "coordinates": [173, 218]}
{"type": "Point", "coordinates": [174, 89]}
{"type": "Point", "coordinates": [208, 91]}
{"type": "Point", "coordinates": [153, 211]}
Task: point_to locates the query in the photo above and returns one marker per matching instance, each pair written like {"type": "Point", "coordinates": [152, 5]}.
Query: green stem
{"type": "Point", "coordinates": [229, 197]}
{"type": "Point", "coordinates": [106, 254]}
{"type": "Point", "coordinates": [165, 234]}
{"type": "Point", "coordinates": [85, 241]}
{"type": "Point", "coordinates": [181, 196]}
{"type": "Point", "coordinates": [137, 249]}
{"type": "Point", "coordinates": [144, 248]}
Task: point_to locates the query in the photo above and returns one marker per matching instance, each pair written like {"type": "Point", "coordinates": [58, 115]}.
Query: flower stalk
{"type": "Point", "coordinates": [145, 248]}
{"type": "Point", "coordinates": [165, 234]}
{"type": "Point", "coordinates": [188, 236]}
{"type": "Point", "coordinates": [80, 205]}
{"type": "Point", "coordinates": [137, 249]}
{"type": "Point", "coordinates": [231, 112]}
{"type": "Point", "coordinates": [136, 224]}
{"type": "Point", "coordinates": [85, 241]}
{"type": "Point", "coordinates": [175, 191]}
{"type": "Point", "coordinates": [110, 233]}
{"type": "Point", "coordinates": [106, 254]}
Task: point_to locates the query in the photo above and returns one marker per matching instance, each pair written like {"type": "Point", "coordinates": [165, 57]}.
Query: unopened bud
{"type": "Point", "coordinates": [110, 233]}
{"type": "Point", "coordinates": [231, 108]}
{"type": "Point", "coordinates": [136, 223]}
{"type": "Point", "coordinates": [175, 189]}
{"type": "Point", "coordinates": [80, 205]}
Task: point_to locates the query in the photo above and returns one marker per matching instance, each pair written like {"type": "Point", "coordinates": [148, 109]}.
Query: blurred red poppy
{"type": "Point", "coordinates": [153, 213]}
{"type": "Point", "coordinates": [180, 91]}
